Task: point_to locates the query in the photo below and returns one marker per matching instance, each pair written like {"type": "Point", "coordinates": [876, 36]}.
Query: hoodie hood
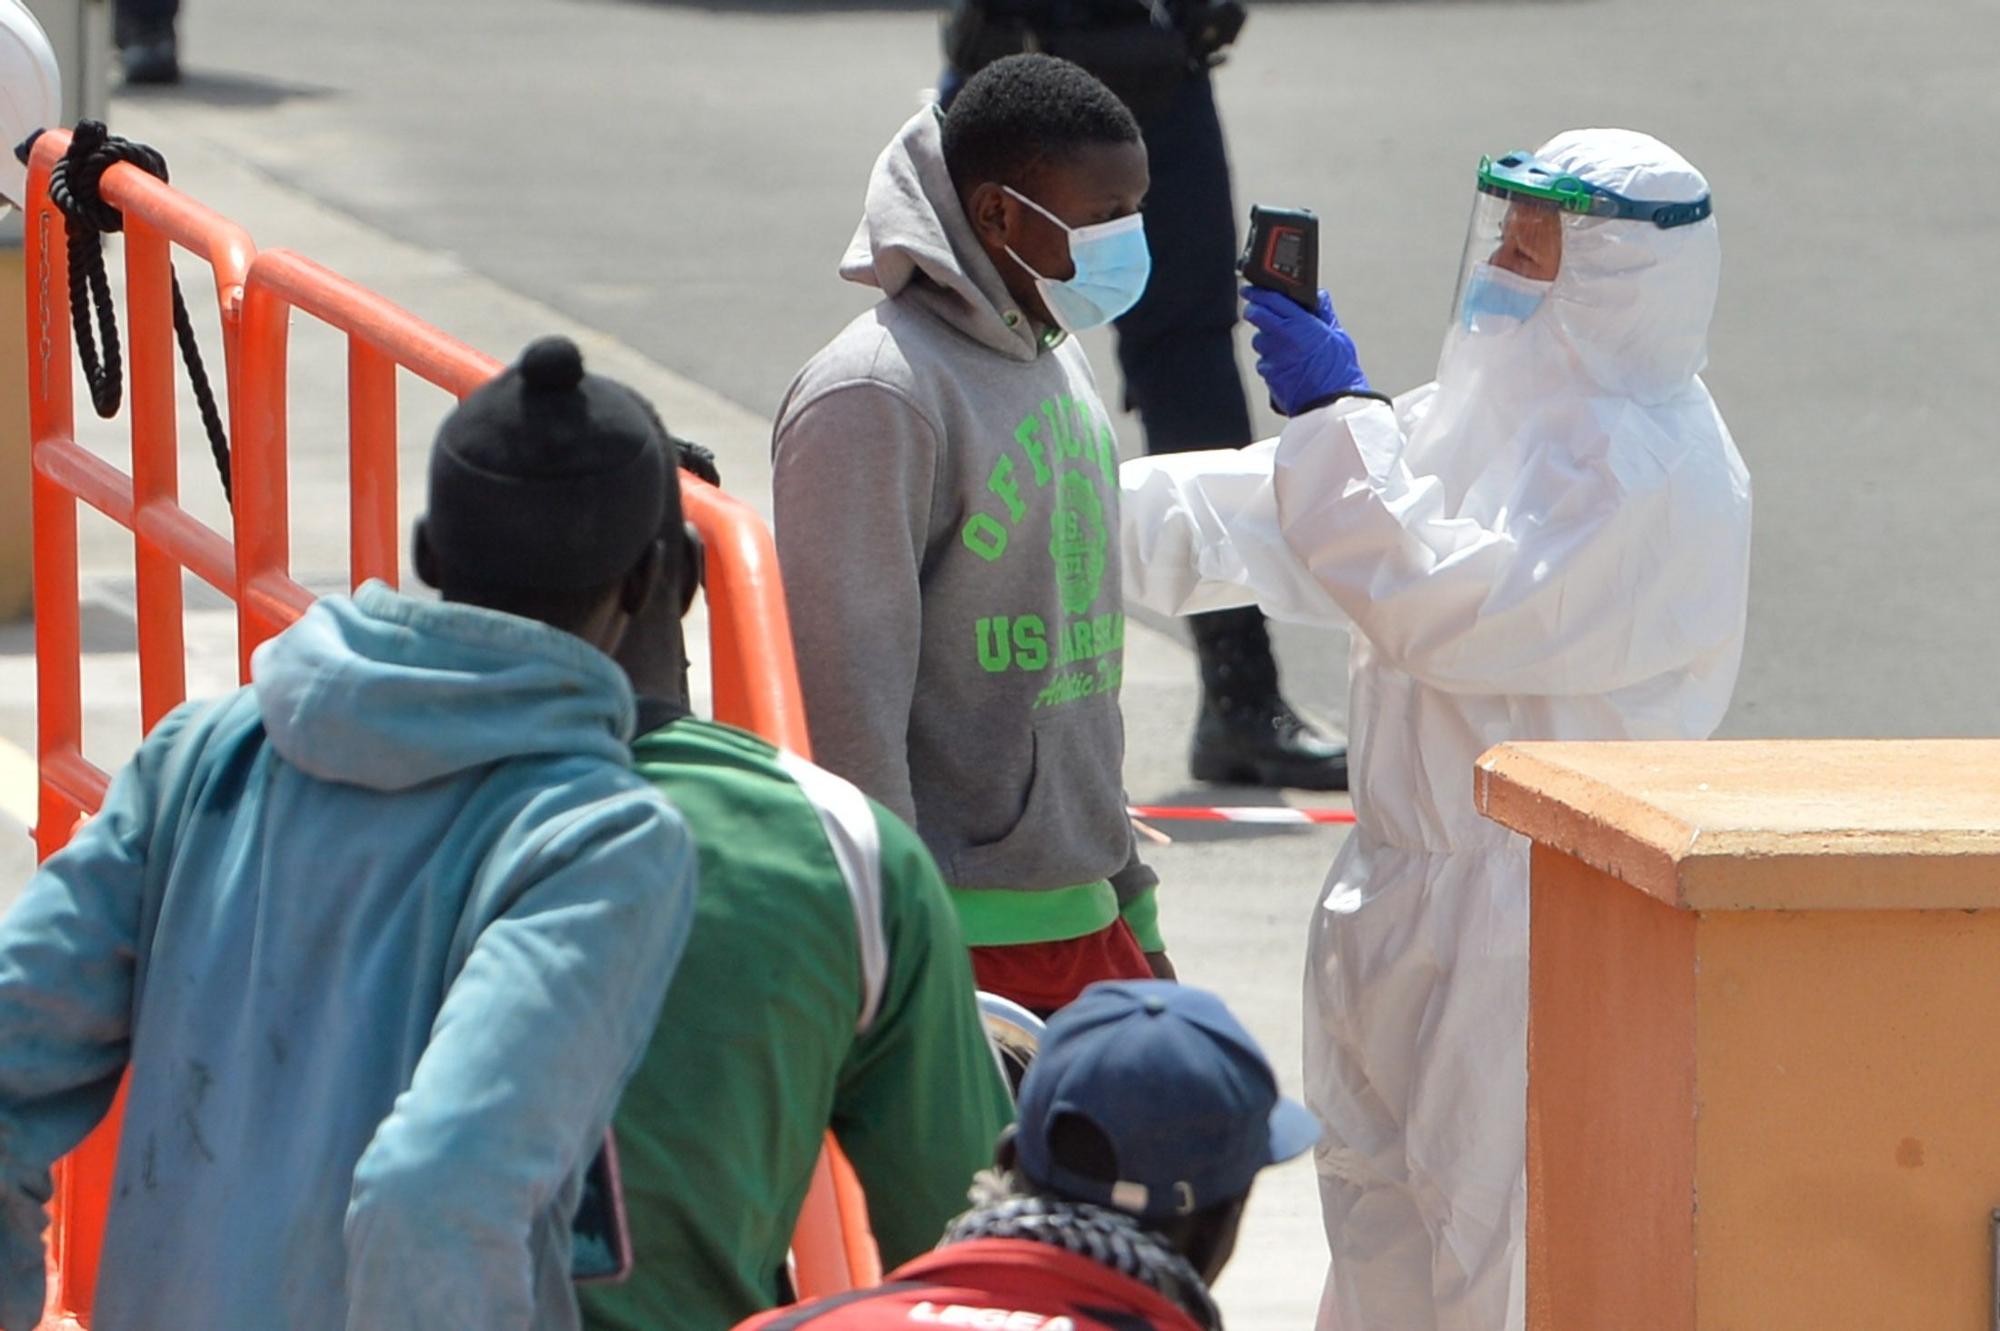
{"type": "Point", "coordinates": [916, 242]}
{"type": "Point", "coordinates": [388, 692]}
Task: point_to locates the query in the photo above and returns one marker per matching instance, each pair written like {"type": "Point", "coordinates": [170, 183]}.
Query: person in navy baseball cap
{"type": "Point", "coordinates": [1143, 1122]}
{"type": "Point", "coordinates": [1183, 1099]}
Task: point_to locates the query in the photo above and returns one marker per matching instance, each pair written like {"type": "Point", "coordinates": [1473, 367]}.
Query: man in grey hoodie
{"type": "Point", "coordinates": [380, 935]}
{"type": "Point", "coordinates": [945, 476]}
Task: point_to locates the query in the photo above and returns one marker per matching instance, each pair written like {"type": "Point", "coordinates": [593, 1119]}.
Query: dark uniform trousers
{"type": "Point", "coordinates": [1176, 346]}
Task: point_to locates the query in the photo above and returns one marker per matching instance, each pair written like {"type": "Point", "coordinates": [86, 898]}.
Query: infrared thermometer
{"type": "Point", "coordinates": [1282, 254]}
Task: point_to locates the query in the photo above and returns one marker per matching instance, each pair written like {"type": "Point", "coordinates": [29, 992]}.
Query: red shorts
{"type": "Point", "coordinates": [1042, 977]}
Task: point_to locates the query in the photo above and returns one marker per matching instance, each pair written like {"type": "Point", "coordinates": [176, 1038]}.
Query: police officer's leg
{"type": "Point", "coordinates": [1177, 351]}
{"type": "Point", "coordinates": [1175, 345]}
{"type": "Point", "coordinates": [143, 31]}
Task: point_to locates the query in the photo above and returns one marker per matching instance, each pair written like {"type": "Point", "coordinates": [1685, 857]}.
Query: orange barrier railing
{"type": "Point", "coordinates": [166, 539]}
{"type": "Point", "coordinates": [755, 680]}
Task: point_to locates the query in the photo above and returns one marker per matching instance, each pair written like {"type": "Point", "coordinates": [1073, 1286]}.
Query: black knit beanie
{"type": "Point", "coordinates": [546, 479]}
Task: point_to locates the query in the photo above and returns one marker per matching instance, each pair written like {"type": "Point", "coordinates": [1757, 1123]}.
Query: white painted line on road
{"type": "Point", "coordinates": [20, 784]}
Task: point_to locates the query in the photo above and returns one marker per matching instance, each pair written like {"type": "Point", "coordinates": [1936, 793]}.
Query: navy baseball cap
{"type": "Point", "coordinates": [1176, 1085]}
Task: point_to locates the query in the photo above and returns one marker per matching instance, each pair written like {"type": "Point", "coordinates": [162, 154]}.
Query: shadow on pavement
{"type": "Point", "coordinates": [209, 87]}
{"type": "Point", "coordinates": [783, 8]}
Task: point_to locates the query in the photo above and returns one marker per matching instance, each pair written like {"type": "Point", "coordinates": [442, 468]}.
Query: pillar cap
{"type": "Point", "coordinates": [1765, 825]}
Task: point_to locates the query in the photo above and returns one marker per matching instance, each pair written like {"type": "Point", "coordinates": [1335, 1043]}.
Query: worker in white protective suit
{"type": "Point", "coordinates": [30, 94]}
{"type": "Point", "coordinates": [1552, 541]}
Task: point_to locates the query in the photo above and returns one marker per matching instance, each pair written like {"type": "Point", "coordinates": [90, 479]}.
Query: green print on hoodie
{"type": "Point", "coordinates": [946, 487]}
{"type": "Point", "coordinates": [1062, 430]}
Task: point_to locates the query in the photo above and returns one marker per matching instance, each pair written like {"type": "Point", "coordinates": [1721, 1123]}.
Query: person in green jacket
{"type": "Point", "coordinates": [825, 985]}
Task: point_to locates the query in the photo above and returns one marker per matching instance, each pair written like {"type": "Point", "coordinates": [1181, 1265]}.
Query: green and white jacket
{"type": "Point", "coordinates": [824, 985]}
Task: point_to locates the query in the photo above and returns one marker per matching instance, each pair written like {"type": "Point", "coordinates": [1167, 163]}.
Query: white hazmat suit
{"type": "Point", "coordinates": [1551, 541]}
{"type": "Point", "coordinates": [30, 94]}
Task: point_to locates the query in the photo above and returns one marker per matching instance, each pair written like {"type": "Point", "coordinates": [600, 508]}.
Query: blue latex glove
{"type": "Point", "coordinates": [1305, 359]}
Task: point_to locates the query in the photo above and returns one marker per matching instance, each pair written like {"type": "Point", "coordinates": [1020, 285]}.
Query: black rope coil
{"type": "Point", "coordinates": [75, 187]}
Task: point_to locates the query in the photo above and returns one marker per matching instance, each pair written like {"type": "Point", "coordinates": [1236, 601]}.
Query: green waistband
{"type": "Point", "coordinates": [1003, 918]}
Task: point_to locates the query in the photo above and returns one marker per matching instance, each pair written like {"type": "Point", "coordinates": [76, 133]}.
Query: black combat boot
{"type": "Point", "coordinates": [1247, 733]}
{"type": "Point", "coordinates": [148, 51]}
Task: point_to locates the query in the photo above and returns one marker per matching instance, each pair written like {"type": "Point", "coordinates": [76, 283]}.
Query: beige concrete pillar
{"type": "Point", "coordinates": [1764, 1033]}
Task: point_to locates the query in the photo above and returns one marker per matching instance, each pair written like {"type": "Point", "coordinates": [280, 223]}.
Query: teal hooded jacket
{"type": "Point", "coordinates": [380, 937]}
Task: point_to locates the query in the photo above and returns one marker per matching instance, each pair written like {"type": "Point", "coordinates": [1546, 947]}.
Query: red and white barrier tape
{"type": "Point", "coordinates": [1241, 813]}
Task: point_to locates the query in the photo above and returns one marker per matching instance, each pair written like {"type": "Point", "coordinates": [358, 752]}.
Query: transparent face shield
{"type": "Point", "coordinates": [1513, 251]}
{"type": "Point", "coordinates": [1514, 244]}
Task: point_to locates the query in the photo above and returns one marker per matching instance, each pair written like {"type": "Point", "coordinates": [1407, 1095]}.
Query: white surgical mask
{"type": "Point", "coordinates": [1112, 265]}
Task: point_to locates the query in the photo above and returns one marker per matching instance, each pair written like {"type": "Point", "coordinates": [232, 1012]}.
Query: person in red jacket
{"type": "Point", "coordinates": [1118, 1193]}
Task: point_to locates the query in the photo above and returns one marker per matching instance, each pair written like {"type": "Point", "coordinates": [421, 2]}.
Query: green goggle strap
{"type": "Point", "coordinates": [1517, 174]}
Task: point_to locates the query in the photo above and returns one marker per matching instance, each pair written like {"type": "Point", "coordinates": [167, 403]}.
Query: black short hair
{"type": "Point", "coordinates": [1080, 1146]}
{"type": "Point", "coordinates": [1023, 111]}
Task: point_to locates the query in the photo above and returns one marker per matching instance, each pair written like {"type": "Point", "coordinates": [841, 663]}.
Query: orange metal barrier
{"type": "Point", "coordinates": [756, 683]}
{"type": "Point", "coordinates": [166, 539]}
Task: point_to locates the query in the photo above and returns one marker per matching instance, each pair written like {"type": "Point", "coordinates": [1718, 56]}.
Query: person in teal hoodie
{"type": "Point", "coordinates": [379, 936]}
